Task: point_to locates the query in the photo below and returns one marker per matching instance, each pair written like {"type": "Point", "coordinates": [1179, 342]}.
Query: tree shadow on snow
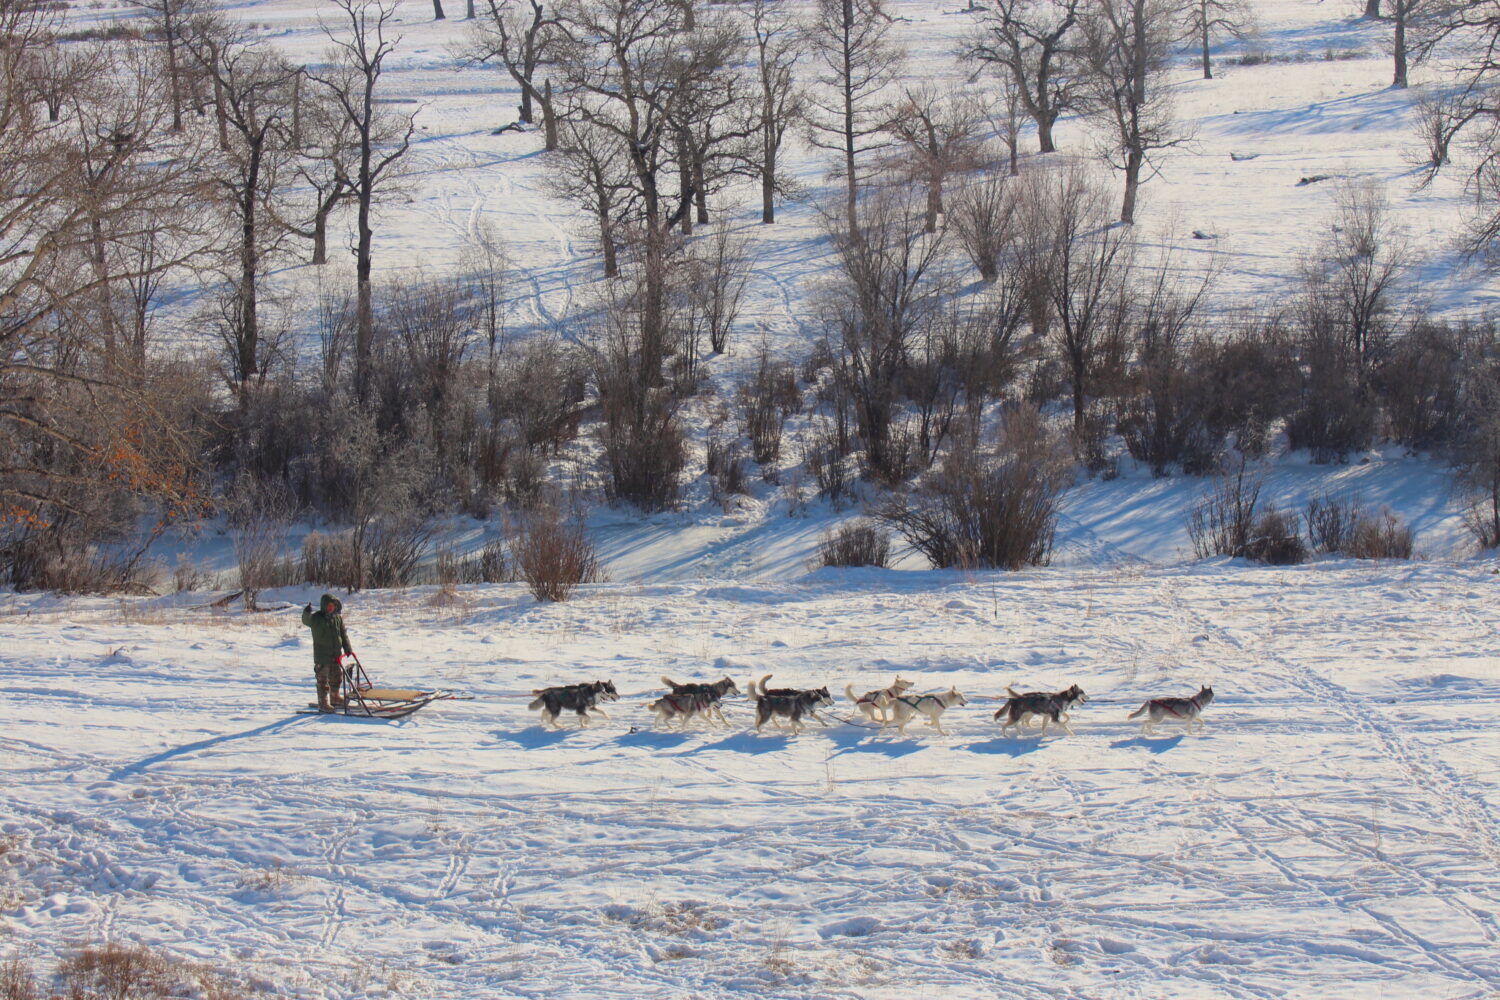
{"type": "Point", "coordinates": [1156, 744]}
{"type": "Point", "coordinates": [1008, 746]}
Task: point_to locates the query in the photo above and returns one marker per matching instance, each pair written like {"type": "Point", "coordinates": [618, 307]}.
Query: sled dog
{"type": "Point", "coordinates": [580, 698]}
{"type": "Point", "coordinates": [1018, 708]}
{"type": "Point", "coordinates": [793, 706]}
{"type": "Point", "coordinates": [903, 708]}
{"type": "Point", "coordinates": [1184, 710]}
{"type": "Point", "coordinates": [684, 707]}
{"type": "Point", "coordinates": [873, 703]}
{"type": "Point", "coordinates": [824, 698]}
{"type": "Point", "coordinates": [715, 693]}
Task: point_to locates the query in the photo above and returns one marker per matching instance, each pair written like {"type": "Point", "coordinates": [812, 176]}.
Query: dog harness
{"type": "Point", "coordinates": [1166, 705]}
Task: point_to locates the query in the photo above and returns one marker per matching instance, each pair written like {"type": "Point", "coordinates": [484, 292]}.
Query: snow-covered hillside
{"type": "Point", "coordinates": [1333, 835]}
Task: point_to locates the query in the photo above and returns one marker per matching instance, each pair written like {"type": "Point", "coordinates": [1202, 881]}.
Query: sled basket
{"type": "Point", "coordinates": [364, 700]}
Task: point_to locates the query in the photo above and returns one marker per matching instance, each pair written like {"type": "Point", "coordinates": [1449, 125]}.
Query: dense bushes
{"type": "Point", "coordinates": [554, 556]}
{"type": "Point", "coordinates": [995, 509]}
{"type": "Point", "coordinates": [856, 543]}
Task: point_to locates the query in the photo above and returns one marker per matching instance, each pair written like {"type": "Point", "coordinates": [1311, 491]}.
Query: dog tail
{"type": "Point", "coordinates": [538, 703]}
{"type": "Point", "coordinates": [1000, 711]}
{"type": "Point", "coordinates": [1011, 691]}
{"type": "Point", "coordinates": [1140, 711]}
{"type": "Point", "coordinates": [669, 682]}
{"type": "Point", "coordinates": [761, 690]}
{"type": "Point", "coordinates": [849, 690]}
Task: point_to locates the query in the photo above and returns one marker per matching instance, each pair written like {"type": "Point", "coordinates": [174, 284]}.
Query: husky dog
{"type": "Point", "coordinates": [580, 698]}
{"type": "Point", "coordinates": [684, 707]}
{"type": "Point", "coordinates": [715, 693]}
{"type": "Point", "coordinates": [903, 708]}
{"type": "Point", "coordinates": [824, 698]}
{"type": "Point", "coordinates": [1185, 710]}
{"type": "Point", "coordinates": [873, 703]}
{"type": "Point", "coordinates": [1018, 708]}
{"type": "Point", "coordinates": [793, 705]}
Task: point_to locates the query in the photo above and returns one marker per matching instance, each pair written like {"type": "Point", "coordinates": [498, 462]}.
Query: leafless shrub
{"type": "Point", "coordinates": [39, 562]}
{"type": "Point", "coordinates": [554, 556]}
{"type": "Point", "coordinates": [995, 510]}
{"type": "Point", "coordinates": [717, 271]}
{"type": "Point", "coordinates": [1222, 522]}
{"type": "Point", "coordinates": [1229, 521]}
{"type": "Point", "coordinates": [1331, 519]}
{"type": "Point", "coordinates": [259, 514]}
{"type": "Point", "coordinates": [1439, 115]}
{"type": "Point", "coordinates": [856, 543]}
{"type": "Point", "coordinates": [117, 972]}
{"type": "Point", "coordinates": [726, 467]}
{"type": "Point", "coordinates": [983, 217]}
{"type": "Point", "coordinates": [827, 464]}
{"type": "Point", "coordinates": [17, 982]}
{"type": "Point", "coordinates": [539, 387]}
{"type": "Point", "coordinates": [767, 399]}
{"type": "Point", "coordinates": [1277, 539]}
{"type": "Point", "coordinates": [488, 565]}
{"type": "Point", "coordinates": [1380, 536]}
{"type": "Point", "coordinates": [383, 554]}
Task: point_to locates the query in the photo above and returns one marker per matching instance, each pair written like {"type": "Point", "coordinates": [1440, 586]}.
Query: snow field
{"type": "Point", "coordinates": [1335, 834]}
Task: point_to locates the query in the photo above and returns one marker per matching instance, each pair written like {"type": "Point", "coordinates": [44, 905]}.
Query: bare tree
{"type": "Point", "coordinates": [77, 198]}
{"type": "Point", "coordinates": [255, 85]}
{"type": "Point", "coordinates": [324, 139]}
{"type": "Point", "coordinates": [778, 44]}
{"type": "Point", "coordinates": [632, 74]}
{"type": "Point", "coordinates": [1127, 43]}
{"type": "Point", "coordinates": [984, 221]}
{"type": "Point", "coordinates": [596, 176]}
{"type": "Point", "coordinates": [1031, 43]}
{"type": "Point", "coordinates": [1361, 262]}
{"type": "Point", "coordinates": [940, 136]}
{"type": "Point", "coordinates": [1086, 264]}
{"type": "Point", "coordinates": [380, 138]}
{"type": "Point", "coordinates": [1211, 19]}
{"type": "Point", "coordinates": [518, 34]}
{"type": "Point", "coordinates": [890, 288]}
{"type": "Point", "coordinates": [849, 111]}
{"type": "Point", "coordinates": [173, 24]}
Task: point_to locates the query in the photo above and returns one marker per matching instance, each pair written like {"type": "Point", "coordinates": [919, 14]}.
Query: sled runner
{"type": "Point", "coordinates": [362, 699]}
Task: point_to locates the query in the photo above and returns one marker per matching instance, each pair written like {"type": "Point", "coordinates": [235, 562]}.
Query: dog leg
{"type": "Point", "coordinates": [602, 713]}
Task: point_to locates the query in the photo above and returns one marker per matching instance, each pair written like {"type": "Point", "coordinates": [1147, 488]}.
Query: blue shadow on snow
{"type": "Point", "coordinates": [140, 766]}
{"type": "Point", "coordinates": [1160, 744]}
{"type": "Point", "coordinates": [1006, 746]}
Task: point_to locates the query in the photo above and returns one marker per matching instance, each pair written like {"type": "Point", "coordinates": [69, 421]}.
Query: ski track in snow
{"type": "Point", "coordinates": [1332, 835]}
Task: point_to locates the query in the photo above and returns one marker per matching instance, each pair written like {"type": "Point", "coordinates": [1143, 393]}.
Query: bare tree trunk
{"type": "Point", "coordinates": [1208, 72]}
{"type": "Point", "coordinates": [437, 10]}
{"type": "Point", "coordinates": [1399, 14]}
{"type": "Point", "coordinates": [469, 12]}
{"type": "Point", "coordinates": [768, 187]}
{"type": "Point", "coordinates": [169, 30]}
{"type": "Point", "coordinates": [297, 110]}
{"type": "Point", "coordinates": [549, 117]}
{"type": "Point", "coordinates": [1044, 133]}
{"type": "Point", "coordinates": [1372, 8]}
{"type": "Point", "coordinates": [1133, 160]}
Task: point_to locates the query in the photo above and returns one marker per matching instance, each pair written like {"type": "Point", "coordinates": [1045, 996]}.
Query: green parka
{"type": "Point", "coordinates": [328, 635]}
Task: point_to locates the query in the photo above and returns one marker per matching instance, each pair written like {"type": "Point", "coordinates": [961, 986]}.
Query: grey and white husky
{"type": "Point", "coordinates": [903, 708]}
{"type": "Point", "coordinates": [683, 707]}
{"type": "Point", "coordinates": [714, 692]}
{"type": "Point", "coordinates": [1018, 708]}
{"type": "Point", "coordinates": [1187, 711]}
{"type": "Point", "coordinates": [792, 707]}
{"type": "Point", "coordinates": [873, 703]}
{"type": "Point", "coordinates": [822, 697]}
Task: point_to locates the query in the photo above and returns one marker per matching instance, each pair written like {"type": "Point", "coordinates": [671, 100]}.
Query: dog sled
{"type": "Point", "coordinates": [363, 700]}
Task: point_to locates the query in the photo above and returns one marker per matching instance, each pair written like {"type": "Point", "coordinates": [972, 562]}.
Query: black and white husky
{"type": "Point", "coordinates": [1187, 711]}
{"type": "Point", "coordinates": [873, 703]}
{"type": "Point", "coordinates": [714, 692]}
{"type": "Point", "coordinates": [580, 698]}
{"type": "Point", "coordinates": [1018, 708]}
{"type": "Point", "coordinates": [903, 708]}
{"type": "Point", "coordinates": [758, 689]}
{"type": "Point", "coordinates": [793, 705]}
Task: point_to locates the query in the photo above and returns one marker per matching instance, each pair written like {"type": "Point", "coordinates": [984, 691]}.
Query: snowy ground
{"type": "Point", "coordinates": [1335, 834]}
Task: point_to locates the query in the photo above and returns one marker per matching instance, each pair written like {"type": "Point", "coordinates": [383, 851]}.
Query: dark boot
{"type": "Point", "coordinates": [323, 705]}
